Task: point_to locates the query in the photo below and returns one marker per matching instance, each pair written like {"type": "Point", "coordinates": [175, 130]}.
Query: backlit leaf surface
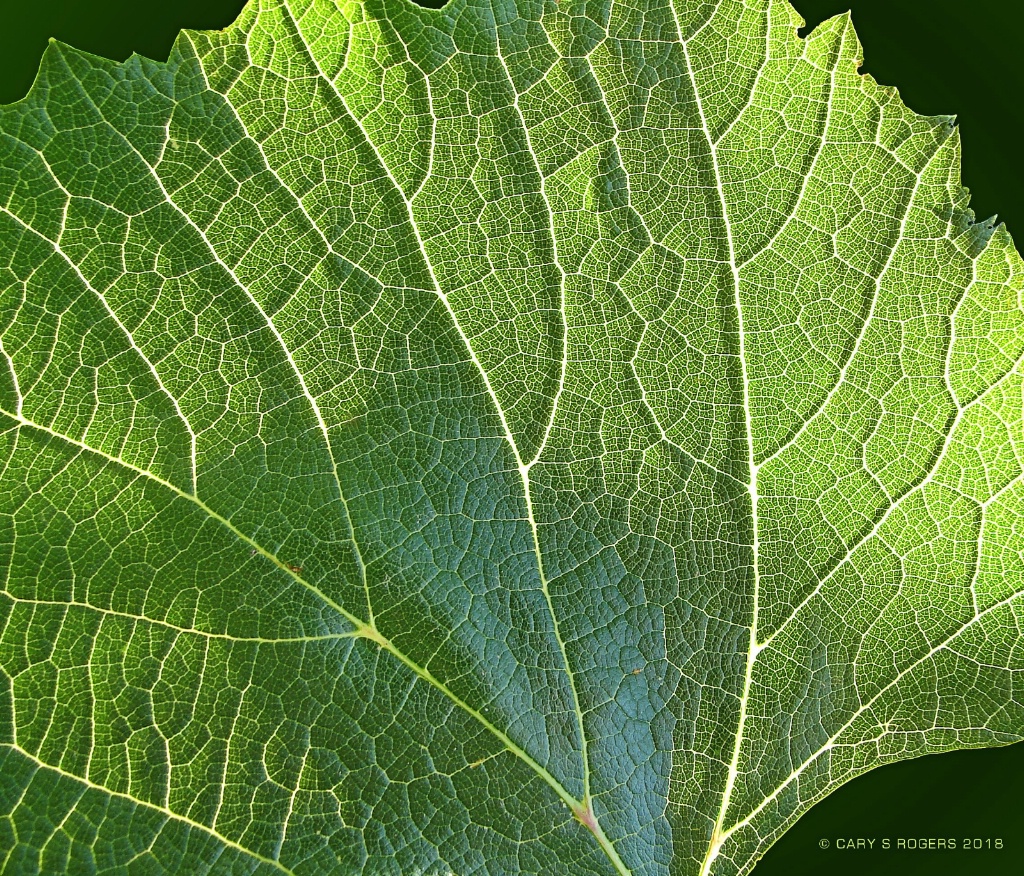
{"type": "Point", "coordinates": [549, 438]}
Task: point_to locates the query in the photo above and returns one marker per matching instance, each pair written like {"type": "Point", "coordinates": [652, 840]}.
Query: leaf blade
{"type": "Point", "coordinates": [474, 336]}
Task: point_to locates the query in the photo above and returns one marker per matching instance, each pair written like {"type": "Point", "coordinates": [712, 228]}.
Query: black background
{"type": "Point", "coordinates": [946, 56]}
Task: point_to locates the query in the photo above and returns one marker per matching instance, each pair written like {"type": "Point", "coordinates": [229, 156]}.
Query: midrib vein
{"type": "Point", "coordinates": [524, 470]}
{"type": "Point", "coordinates": [522, 466]}
{"type": "Point", "coordinates": [716, 837]}
{"type": "Point", "coordinates": [361, 629]}
{"type": "Point", "coordinates": [411, 218]}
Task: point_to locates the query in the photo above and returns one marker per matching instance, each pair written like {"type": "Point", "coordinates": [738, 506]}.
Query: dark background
{"type": "Point", "coordinates": [946, 56]}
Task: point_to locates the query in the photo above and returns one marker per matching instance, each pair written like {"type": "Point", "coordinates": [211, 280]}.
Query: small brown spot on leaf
{"type": "Point", "coordinates": [585, 816]}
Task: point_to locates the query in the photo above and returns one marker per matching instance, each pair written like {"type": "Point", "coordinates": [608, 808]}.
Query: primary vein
{"type": "Point", "coordinates": [361, 629]}
{"type": "Point", "coordinates": [716, 839]}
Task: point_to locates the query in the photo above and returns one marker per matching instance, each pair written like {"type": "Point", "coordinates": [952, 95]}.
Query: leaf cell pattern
{"type": "Point", "coordinates": [523, 437]}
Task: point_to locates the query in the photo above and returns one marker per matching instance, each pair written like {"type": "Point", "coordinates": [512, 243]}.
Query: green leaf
{"type": "Point", "coordinates": [517, 438]}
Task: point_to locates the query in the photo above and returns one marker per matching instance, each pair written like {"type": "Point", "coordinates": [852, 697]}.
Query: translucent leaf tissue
{"type": "Point", "coordinates": [517, 438]}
